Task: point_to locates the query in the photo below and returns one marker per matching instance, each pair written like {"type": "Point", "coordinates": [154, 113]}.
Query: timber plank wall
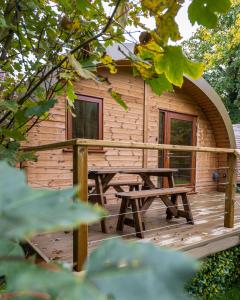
{"type": "Point", "coordinates": [54, 168]}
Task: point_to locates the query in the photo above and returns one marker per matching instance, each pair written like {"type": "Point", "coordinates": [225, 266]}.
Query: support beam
{"type": "Point", "coordinates": [230, 191]}
{"type": "Point", "coordinates": [145, 124]}
{"type": "Point", "coordinates": [80, 178]}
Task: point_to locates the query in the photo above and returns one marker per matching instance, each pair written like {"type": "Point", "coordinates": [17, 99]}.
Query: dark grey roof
{"type": "Point", "coordinates": [118, 55]}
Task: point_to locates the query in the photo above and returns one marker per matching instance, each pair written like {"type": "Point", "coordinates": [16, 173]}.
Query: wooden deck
{"type": "Point", "coordinates": [205, 237]}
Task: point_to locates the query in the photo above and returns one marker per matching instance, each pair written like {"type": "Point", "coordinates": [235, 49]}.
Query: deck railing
{"type": "Point", "coordinates": [80, 178]}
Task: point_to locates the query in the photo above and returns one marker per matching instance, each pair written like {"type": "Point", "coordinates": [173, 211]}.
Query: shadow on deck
{"type": "Point", "coordinates": [206, 236]}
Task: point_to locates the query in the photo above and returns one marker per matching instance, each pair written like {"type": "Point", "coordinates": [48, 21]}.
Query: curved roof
{"type": "Point", "coordinates": [213, 107]}
{"type": "Point", "coordinates": [203, 94]}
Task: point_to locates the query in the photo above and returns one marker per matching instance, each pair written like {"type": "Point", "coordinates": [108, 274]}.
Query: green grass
{"type": "Point", "coordinates": [181, 181]}
{"type": "Point", "coordinates": [231, 294]}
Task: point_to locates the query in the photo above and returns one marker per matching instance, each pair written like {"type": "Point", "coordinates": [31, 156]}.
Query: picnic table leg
{"type": "Point", "coordinates": [137, 218]}
{"type": "Point", "coordinates": [122, 214]}
{"type": "Point", "coordinates": [187, 208]}
{"type": "Point", "coordinates": [175, 204]}
{"type": "Point", "coordinates": [99, 190]}
{"type": "Point", "coordinates": [173, 197]}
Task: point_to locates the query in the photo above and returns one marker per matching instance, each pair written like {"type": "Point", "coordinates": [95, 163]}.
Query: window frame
{"type": "Point", "coordinates": [69, 129]}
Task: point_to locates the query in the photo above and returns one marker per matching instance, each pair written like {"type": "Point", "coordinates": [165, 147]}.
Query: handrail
{"type": "Point", "coordinates": [128, 145]}
{"type": "Point", "coordinates": [80, 178]}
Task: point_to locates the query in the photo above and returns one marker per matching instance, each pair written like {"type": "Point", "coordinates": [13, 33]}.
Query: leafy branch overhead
{"type": "Point", "coordinates": [41, 57]}
{"type": "Point", "coordinates": [219, 49]}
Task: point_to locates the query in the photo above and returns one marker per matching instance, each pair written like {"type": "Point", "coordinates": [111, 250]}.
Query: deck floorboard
{"type": "Point", "coordinates": [208, 214]}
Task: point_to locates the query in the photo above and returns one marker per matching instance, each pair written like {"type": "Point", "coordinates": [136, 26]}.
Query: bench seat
{"type": "Point", "coordinates": [93, 197]}
{"type": "Point", "coordinates": [118, 183]}
{"type": "Point", "coordinates": [167, 195]}
{"type": "Point", "coordinates": [153, 192]}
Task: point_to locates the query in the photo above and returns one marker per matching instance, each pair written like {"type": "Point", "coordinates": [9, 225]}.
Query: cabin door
{"type": "Point", "coordinates": [178, 129]}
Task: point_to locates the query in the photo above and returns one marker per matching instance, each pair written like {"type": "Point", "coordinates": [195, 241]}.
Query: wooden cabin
{"type": "Point", "coordinates": [191, 115]}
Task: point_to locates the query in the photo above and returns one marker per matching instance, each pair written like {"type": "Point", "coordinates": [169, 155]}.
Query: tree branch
{"type": "Point", "coordinates": [105, 28]}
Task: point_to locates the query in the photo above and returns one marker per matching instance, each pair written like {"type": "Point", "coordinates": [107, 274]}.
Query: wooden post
{"type": "Point", "coordinates": [80, 178]}
{"type": "Point", "coordinates": [145, 124]}
{"type": "Point", "coordinates": [230, 191]}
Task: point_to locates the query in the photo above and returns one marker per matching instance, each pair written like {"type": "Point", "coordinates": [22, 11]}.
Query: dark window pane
{"type": "Point", "coordinates": [161, 138]}
{"type": "Point", "coordinates": [181, 134]}
{"type": "Point", "coordinates": [86, 122]}
{"type": "Point", "coordinates": [182, 161]}
{"type": "Point", "coordinates": [161, 141]}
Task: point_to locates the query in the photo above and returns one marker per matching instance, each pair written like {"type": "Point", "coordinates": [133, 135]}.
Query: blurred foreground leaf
{"type": "Point", "coordinates": [25, 211]}
{"type": "Point", "coordinates": [139, 271]}
{"type": "Point", "coordinates": [115, 270]}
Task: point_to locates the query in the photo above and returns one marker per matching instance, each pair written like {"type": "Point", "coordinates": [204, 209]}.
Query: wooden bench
{"type": "Point", "coordinates": [117, 185]}
{"type": "Point", "coordinates": [133, 185]}
{"type": "Point", "coordinates": [134, 199]}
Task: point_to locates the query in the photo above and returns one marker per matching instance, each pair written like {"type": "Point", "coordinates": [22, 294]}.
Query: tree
{"type": "Point", "coordinates": [219, 48]}
{"type": "Point", "coordinates": [44, 45]}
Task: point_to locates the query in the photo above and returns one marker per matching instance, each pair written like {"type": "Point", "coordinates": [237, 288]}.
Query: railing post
{"type": "Point", "coordinates": [230, 191]}
{"type": "Point", "coordinates": [80, 178]}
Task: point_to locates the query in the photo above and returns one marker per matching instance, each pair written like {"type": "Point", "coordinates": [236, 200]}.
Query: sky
{"type": "Point", "coordinates": [186, 28]}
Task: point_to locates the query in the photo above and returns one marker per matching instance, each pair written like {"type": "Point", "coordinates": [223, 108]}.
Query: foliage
{"type": "Point", "coordinates": [204, 12]}
{"type": "Point", "coordinates": [145, 271]}
{"type": "Point", "coordinates": [111, 267]}
{"type": "Point", "coordinates": [232, 293]}
{"type": "Point", "coordinates": [44, 45]}
{"type": "Point", "coordinates": [217, 273]}
{"type": "Point", "coordinates": [219, 49]}
{"type": "Point", "coordinates": [41, 205]}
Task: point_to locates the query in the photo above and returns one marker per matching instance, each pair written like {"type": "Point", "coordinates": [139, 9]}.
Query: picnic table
{"type": "Point", "coordinates": [103, 181]}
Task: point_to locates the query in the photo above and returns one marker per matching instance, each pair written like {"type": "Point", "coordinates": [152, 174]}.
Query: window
{"type": "Point", "coordinates": [87, 123]}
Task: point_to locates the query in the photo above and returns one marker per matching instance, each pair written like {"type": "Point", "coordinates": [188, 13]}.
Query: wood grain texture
{"type": "Point", "coordinates": [208, 214]}
{"type": "Point", "coordinates": [80, 178]}
{"type": "Point", "coordinates": [120, 125]}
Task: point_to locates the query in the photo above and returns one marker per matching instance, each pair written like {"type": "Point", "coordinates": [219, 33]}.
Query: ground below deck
{"type": "Point", "coordinates": [208, 214]}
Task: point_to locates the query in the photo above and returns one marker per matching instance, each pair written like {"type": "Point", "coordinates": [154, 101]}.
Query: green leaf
{"type": "Point", "coordinates": [13, 133]}
{"type": "Point", "coordinates": [40, 108]}
{"type": "Point", "coordinates": [82, 5]}
{"type": "Point", "coordinates": [58, 283]}
{"type": "Point", "coordinates": [10, 248]}
{"type": "Point", "coordinates": [80, 70]}
{"type": "Point", "coordinates": [115, 270]}
{"type": "Point", "coordinates": [174, 64]}
{"type": "Point", "coordinates": [121, 15]}
{"type": "Point", "coordinates": [23, 156]}
{"type": "Point", "coordinates": [160, 84]}
{"type": "Point", "coordinates": [9, 105]}
{"type": "Point", "coordinates": [2, 22]}
{"type": "Point", "coordinates": [71, 96]}
{"type": "Point", "coordinates": [204, 12]}
{"type": "Point", "coordinates": [9, 153]}
{"type": "Point", "coordinates": [118, 98]}
{"type": "Point", "coordinates": [144, 270]}
{"type": "Point", "coordinates": [25, 211]}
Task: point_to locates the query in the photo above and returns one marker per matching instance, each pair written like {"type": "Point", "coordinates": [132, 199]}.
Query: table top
{"type": "Point", "coordinates": [155, 171]}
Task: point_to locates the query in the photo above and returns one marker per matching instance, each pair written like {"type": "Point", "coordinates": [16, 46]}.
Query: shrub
{"type": "Point", "coordinates": [217, 273]}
